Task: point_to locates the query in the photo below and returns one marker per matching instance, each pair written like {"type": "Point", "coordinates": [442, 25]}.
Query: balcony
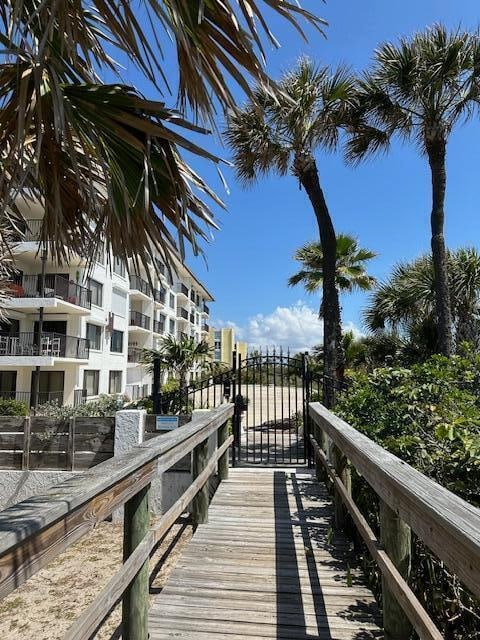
{"type": "Point", "coordinates": [206, 308]}
{"type": "Point", "coordinates": [140, 285]}
{"type": "Point", "coordinates": [48, 346]}
{"type": "Point", "coordinates": [205, 328]}
{"type": "Point", "coordinates": [60, 293]}
{"type": "Point", "coordinates": [181, 289]}
{"type": "Point", "coordinates": [192, 318]}
{"type": "Point", "coordinates": [158, 326]}
{"type": "Point", "coordinates": [134, 355]}
{"type": "Point", "coordinates": [32, 230]}
{"type": "Point", "coordinates": [159, 295]}
{"type": "Point", "coordinates": [139, 320]}
{"type": "Point", "coordinates": [182, 313]}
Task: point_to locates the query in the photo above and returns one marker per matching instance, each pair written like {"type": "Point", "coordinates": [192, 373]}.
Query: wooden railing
{"type": "Point", "coordinates": [35, 531]}
{"type": "Point", "coordinates": [448, 526]}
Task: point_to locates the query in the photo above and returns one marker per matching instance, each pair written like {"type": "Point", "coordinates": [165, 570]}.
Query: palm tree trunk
{"type": "Point", "coordinates": [436, 156]}
{"type": "Point", "coordinates": [306, 169]}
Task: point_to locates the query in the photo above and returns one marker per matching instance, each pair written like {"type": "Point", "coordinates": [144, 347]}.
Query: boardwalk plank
{"type": "Point", "coordinates": [266, 566]}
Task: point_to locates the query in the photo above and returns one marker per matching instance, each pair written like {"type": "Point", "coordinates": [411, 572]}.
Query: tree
{"type": "Point", "coordinates": [405, 302]}
{"type": "Point", "coordinates": [278, 133]}
{"type": "Point", "coordinates": [177, 356]}
{"type": "Point", "coordinates": [351, 274]}
{"type": "Point", "coordinates": [104, 160]}
{"type": "Point", "coordinates": [420, 90]}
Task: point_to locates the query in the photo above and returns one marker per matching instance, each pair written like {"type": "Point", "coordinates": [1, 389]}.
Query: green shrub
{"type": "Point", "coordinates": [104, 406]}
{"type": "Point", "coordinates": [11, 407]}
{"type": "Point", "coordinates": [429, 416]}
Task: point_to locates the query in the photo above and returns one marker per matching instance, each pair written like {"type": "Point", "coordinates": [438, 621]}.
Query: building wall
{"type": "Point", "coordinates": [223, 344]}
{"type": "Point", "coordinates": [120, 298]}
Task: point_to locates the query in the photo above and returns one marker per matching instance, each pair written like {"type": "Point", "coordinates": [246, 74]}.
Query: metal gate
{"type": "Point", "coordinates": [271, 391]}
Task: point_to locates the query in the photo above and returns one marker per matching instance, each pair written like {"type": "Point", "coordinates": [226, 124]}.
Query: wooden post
{"type": "Point", "coordinates": [222, 435]}
{"type": "Point", "coordinates": [135, 600]}
{"type": "Point", "coordinates": [200, 502]}
{"type": "Point", "coordinates": [395, 536]}
{"type": "Point", "coordinates": [26, 443]}
{"type": "Point", "coordinates": [340, 464]}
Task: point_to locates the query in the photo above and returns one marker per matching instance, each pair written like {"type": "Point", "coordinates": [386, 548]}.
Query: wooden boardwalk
{"type": "Point", "coordinates": [266, 566]}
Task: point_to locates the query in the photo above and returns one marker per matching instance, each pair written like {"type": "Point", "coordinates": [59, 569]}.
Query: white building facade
{"type": "Point", "coordinates": [95, 323]}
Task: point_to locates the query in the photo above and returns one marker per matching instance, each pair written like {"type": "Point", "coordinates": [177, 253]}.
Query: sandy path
{"type": "Point", "coordinates": [46, 605]}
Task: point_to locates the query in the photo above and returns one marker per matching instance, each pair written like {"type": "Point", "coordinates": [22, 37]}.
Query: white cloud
{"type": "Point", "coordinates": [296, 327]}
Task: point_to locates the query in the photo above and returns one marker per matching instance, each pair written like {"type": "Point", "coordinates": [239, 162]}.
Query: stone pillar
{"type": "Point", "coordinates": [129, 431]}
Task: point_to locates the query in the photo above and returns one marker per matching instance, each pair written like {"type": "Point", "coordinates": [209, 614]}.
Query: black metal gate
{"type": "Point", "coordinates": [271, 391]}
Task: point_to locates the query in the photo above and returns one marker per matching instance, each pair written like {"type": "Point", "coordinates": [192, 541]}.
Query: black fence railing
{"type": "Point", "coordinates": [32, 231]}
{"type": "Point", "coordinates": [182, 313]}
{"type": "Point", "coordinates": [159, 295]}
{"type": "Point", "coordinates": [192, 318]}
{"type": "Point", "coordinates": [139, 284]}
{"type": "Point", "coordinates": [56, 286]}
{"type": "Point", "coordinates": [134, 354]}
{"type": "Point", "coordinates": [206, 308]}
{"type": "Point", "coordinates": [205, 327]}
{"type": "Point", "coordinates": [158, 326]}
{"type": "Point", "coordinates": [138, 319]}
{"type": "Point", "coordinates": [55, 345]}
{"type": "Point", "coordinates": [181, 288]}
{"type": "Point", "coordinates": [79, 397]}
{"type": "Point", "coordinates": [26, 396]}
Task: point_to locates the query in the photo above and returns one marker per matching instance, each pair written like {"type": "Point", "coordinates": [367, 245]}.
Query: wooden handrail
{"type": "Point", "coordinates": [447, 524]}
{"type": "Point", "coordinates": [36, 530]}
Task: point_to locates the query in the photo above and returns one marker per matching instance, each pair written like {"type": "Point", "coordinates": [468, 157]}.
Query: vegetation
{"type": "Point", "coordinates": [281, 133]}
{"type": "Point", "coordinates": [419, 90]}
{"type": "Point", "coordinates": [405, 303]}
{"type": "Point", "coordinates": [351, 274]}
{"type": "Point", "coordinates": [177, 357]}
{"type": "Point", "coordinates": [105, 406]}
{"type": "Point", "coordinates": [102, 158]}
{"type": "Point", "coordinates": [12, 407]}
{"type": "Point", "coordinates": [429, 416]}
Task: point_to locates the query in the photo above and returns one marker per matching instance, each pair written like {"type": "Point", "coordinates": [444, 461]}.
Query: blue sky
{"type": "Point", "coordinates": [384, 202]}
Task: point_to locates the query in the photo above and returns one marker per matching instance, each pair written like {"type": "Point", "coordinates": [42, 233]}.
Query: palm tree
{"type": "Point", "coordinates": [177, 356]}
{"type": "Point", "coordinates": [351, 275]}
{"type": "Point", "coordinates": [104, 160]}
{"type": "Point", "coordinates": [420, 90]}
{"type": "Point", "coordinates": [405, 303]}
{"type": "Point", "coordinates": [278, 133]}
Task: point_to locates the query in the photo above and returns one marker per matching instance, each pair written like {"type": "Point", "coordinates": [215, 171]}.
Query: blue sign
{"type": "Point", "coordinates": [166, 423]}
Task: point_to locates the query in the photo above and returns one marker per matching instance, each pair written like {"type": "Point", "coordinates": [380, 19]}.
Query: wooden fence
{"type": "Point", "coordinates": [35, 531]}
{"type": "Point", "coordinates": [448, 525]}
{"type": "Point", "coordinates": [49, 443]}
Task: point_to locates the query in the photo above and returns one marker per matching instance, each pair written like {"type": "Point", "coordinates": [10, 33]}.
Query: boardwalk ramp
{"type": "Point", "coordinates": [267, 565]}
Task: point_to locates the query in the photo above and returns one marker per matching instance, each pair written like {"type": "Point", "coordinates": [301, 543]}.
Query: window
{"type": "Point", "coordinates": [100, 253]}
{"type": "Point", "coordinates": [116, 341]}
{"type": "Point", "coordinates": [94, 334]}
{"type": "Point", "coordinates": [119, 303]}
{"type": "Point", "coordinates": [97, 292]}
{"type": "Point", "coordinates": [119, 266]}
{"type": "Point", "coordinates": [115, 382]}
{"type": "Point", "coordinates": [172, 326]}
{"type": "Point", "coordinates": [91, 378]}
{"type": "Point", "coordinates": [172, 301]}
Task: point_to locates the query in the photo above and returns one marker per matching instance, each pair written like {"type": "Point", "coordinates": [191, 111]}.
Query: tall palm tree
{"type": "Point", "coordinates": [177, 356]}
{"type": "Point", "coordinates": [405, 302]}
{"type": "Point", "coordinates": [419, 90]}
{"type": "Point", "coordinates": [351, 271]}
{"type": "Point", "coordinates": [102, 159]}
{"type": "Point", "coordinates": [281, 133]}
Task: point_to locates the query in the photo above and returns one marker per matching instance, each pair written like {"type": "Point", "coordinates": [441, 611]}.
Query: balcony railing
{"type": "Point", "coordinates": [134, 354]}
{"type": "Point", "coordinates": [205, 327]}
{"type": "Point", "coordinates": [182, 313]}
{"type": "Point", "coordinates": [138, 319]}
{"type": "Point", "coordinates": [158, 326]}
{"type": "Point", "coordinates": [55, 345]}
{"type": "Point", "coordinates": [159, 295]}
{"type": "Point", "coordinates": [206, 308]}
{"type": "Point", "coordinates": [56, 286]}
{"type": "Point", "coordinates": [181, 288]}
{"type": "Point", "coordinates": [32, 230]}
{"type": "Point", "coordinates": [139, 284]}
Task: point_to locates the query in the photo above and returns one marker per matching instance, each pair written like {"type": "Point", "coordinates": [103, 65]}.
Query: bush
{"type": "Point", "coordinates": [429, 416]}
{"type": "Point", "coordinates": [11, 407]}
{"type": "Point", "coordinates": [105, 406]}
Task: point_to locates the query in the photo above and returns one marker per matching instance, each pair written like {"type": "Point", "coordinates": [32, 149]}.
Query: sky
{"type": "Point", "coordinates": [385, 202]}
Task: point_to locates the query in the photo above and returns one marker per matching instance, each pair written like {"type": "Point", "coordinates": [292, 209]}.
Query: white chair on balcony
{"type": "Point", "coordinates": [45, 346]}
{"type": "Point", "coordinates": [55, 347]}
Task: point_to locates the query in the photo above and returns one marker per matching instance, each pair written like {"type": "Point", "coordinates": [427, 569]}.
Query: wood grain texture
{"type": "Point", "coordinates": [448, 525]}
{"type": "Point", "coordinates": [265, 566]}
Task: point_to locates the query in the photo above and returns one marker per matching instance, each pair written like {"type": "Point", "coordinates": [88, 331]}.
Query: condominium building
{"type": "Point", "coordinates": [95, 322]}
{"type": "Point", "coordinates": [223, 344]}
